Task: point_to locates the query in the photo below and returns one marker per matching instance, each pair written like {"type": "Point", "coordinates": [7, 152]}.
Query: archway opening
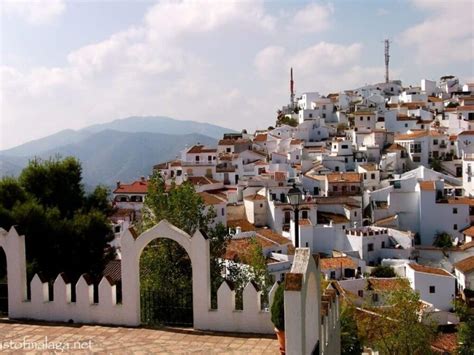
{"type": "Point", "coordinates": [166, 287]}
{"type": "Point", "coordinates": [3, 284]}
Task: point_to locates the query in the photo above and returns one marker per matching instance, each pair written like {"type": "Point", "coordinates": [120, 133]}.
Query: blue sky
{"type": "Point", "coordinates": [68, 64]}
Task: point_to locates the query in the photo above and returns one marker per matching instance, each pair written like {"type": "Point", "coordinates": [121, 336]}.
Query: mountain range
{"type": "Point", "coordinates": [123, 149]}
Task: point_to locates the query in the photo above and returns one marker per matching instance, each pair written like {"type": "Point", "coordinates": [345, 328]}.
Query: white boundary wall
{"type": "Point", "coordinates": [107, 311]}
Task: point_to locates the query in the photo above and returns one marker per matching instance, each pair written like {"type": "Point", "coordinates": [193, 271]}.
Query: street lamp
{"type": "Point", "coordinates": [295, 198]}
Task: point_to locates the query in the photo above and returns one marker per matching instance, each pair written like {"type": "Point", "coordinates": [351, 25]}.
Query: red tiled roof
{"type": "Point", "coordinates": [201, 149]}
{"type": "Point", "coordinates": [465, 265]}
{"type": "Point", "coordinates": [344, 177]}
{"type": "Point", "coordinates": [469, 231]}
{"type": "Point", "coordinates": [136, 187]}
{"type": "Point", "coordinates": [427, 185]}
{"type": "Point", "coordinates": [466, 133]}
{"type": "Point", "coordinates": [260, 138]}
{"type": "Point", "coordinates": [445, 343]}
{"type": "Point", "coordinates": [461, 108]}
{"type": "Point", "coordinates": [210, 199]}
{"type": "Point", "coordinates": [417, 134]}
{"type": "Point", "coordinates": [429, 269]}
{"type": "Point", "coordinates": [255, 197]}
{"type": "Point", "coordinates": [273, 236]}
{"type": "Point", "coordinates": [337, 263]}
{"type": "Point", "coordinates": [201, 180]}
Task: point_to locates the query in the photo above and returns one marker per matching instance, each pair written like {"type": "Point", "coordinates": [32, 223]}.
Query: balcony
{"type": "Point", "coordinates": [443, 146]}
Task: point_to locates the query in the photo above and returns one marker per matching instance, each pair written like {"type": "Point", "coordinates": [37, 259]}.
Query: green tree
{"type": "Point", "coordinates": [282, 119]}
{"type": "Point", "coordinates": [436, 164]}
{"type": "Point", "coordinates": [350, 342]}
{"type": "Point", "coordinates": [443, 240]}
{"type": "Point", "coordinates": [383, 271]}
{"type": "Point", "coordinates": [395, 328]}
{"type": "Point", "coordinates": [179, 204]}
{"type": "Point", "coordinates": [466, 337]}
{"type": "Point", "coordinates": [165, 266]}
{"type": "Point", "coordinates": [278, 307]}
{"type": "Point", "coordinates": [65, 230]}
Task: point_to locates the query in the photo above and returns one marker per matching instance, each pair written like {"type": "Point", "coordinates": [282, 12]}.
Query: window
{"type": "Point", "coordinates": [117, 229]}
{"type": "Point", "coordinates": [324, 115]}
{"type": "Point", "coordinates": [375, 297]}
{"type": "Point", "coordinates": [361, 118]}
{"type": "Point", "coordinates": [432, 289]}
{"type": "Point", "coordinates": [360, 293]}
{"type": "Point", "coordinates": [353, 188]}
{"type": "Point", "coordinates": [355, 213]}
{"type": "Point", "coordinates": [344, 146]}
{"type": "Point", "coordinates": [368, 118]}
{"type": "Point", "coordinates": [415, 147]}
{"type": "Point", "coordinates": [455, 227]}
{"type": "Point", "coordinates": [435, 142]}
{"type": "Point", "coordinates": [228, 150]}
{"type": "Point", "coordinates": [372, 176]}
{"type": "Point", "coordinates": [274, 197]}
{"type": "Point", "coordinates": [261, 205]}
{"type": "Point", "coordinates": [209, 158]}
{"type": "Point", "coordinates": [455, 210]}
{"type": "Point", "coordinates": [306, 244]}
{"type": "Point", "coordinates": [304, 214]}
{"type": "Point", "coordinates": [406, 125]}
{"type": "Point", "coordinates": [365, 176]}
{"type": "Point", "coordinates": [416, 159]}
{"type": "Point", "coordinates": [324, 107]}
{"type": "Point", "coordinates": [370, 247]}
{"type": "Point", "coordinates": [383, 244]}
{"type": "Point", "coordinates": [334, 146]}
{"type": "Point", "coordinates": [197, 157]}
{"type": "Point", "coordinates": [310, 115]}
{"type": "Point", "coordinates": [333, 275]}
{"type": "Point", "coordinates": [334, 188]}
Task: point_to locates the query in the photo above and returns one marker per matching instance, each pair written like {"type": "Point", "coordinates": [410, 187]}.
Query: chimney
{"type": "Point", "coordinates": [142, 178]}
{"type": "Point", "coordinates": [118, 184]}
{"type": "Point", "coordinates": [238, 230]}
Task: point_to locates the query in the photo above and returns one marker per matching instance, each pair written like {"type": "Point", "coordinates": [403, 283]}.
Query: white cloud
{"type": "Point", "coordinates": [35, 12]}
{"type": "Point", "coordinates": [445, 36]}
{"type": "Point", "coordinates": [325, 55]}
{"type": "Point", "coordinates": [313, 18]}
{"type": "Point", "coordinates": [268, 61]}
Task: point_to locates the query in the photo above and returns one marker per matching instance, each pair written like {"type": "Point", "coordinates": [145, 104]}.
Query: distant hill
{"type": "Point", "coordinates": [120, 150]}
{"type": "Point", "coordinates": [158, 124]}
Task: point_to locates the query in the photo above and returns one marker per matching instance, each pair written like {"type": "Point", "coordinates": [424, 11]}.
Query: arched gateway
{"type": "Point", "coordinates": [197, 248]}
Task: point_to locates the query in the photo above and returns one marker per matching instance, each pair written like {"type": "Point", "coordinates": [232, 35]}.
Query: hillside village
{"type": "Point", "coordinates": [378, 176]}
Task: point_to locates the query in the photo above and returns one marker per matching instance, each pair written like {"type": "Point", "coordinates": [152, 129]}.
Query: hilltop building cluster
{"type": "Point", "coordinates": [385, 172]}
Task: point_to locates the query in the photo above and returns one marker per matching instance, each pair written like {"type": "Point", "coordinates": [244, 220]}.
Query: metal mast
{"type": "Point", "coordinates": [387, 58]}
{"type": "Point", "coordinates": [292, 89]}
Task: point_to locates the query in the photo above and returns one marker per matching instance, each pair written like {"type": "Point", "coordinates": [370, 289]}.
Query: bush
{"type": "Point", "coordinates": [383, 271]}
{"type": "Point", "coordinates": [278, 308]}
{"type": "Point", "coordinates": [443, 240]}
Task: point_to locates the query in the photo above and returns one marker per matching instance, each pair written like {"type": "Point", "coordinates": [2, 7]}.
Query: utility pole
{"type": "Point", "coordinates": [387, 58]}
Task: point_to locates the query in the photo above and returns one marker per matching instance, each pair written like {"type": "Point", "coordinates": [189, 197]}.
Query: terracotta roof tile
{"type": "Point", "coordinates": [429, 269]}
{"type": "Point", "coordinates": [337, 263]}
{"type": "Point", "coordinates": [255, 197]}
{"type": "Point", "coordinates": [427, 185]}
{"type": "Point", "coordinates": [274, 236]}
{"type": "Point", "coordinates": [344, 177]}
{"type": "Point", "coordinates": [260, 138]}
{"type": "Point", "coordinates": [469, 231]}
{"type": "Point", "coordinates": [201, 149]}
{"type": "Point", "coordinates": [201, 180]}
{"type": "Point", "coordinates": [465, 265]}
{"type": "Point", "coordinates": [136, 187]}
{"type": "Point", "coordinates": [210, 199]}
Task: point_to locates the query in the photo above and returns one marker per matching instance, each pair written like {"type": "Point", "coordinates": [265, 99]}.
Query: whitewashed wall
{"type": "Point", "coordinates": [107, 310]}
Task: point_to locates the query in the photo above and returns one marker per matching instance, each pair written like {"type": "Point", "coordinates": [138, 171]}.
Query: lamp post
{"type": "Point", "coordinates": [295, 198]}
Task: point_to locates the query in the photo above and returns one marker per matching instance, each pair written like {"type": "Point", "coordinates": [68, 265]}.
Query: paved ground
{"type": "Point", "coordinates": [47, 338]}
